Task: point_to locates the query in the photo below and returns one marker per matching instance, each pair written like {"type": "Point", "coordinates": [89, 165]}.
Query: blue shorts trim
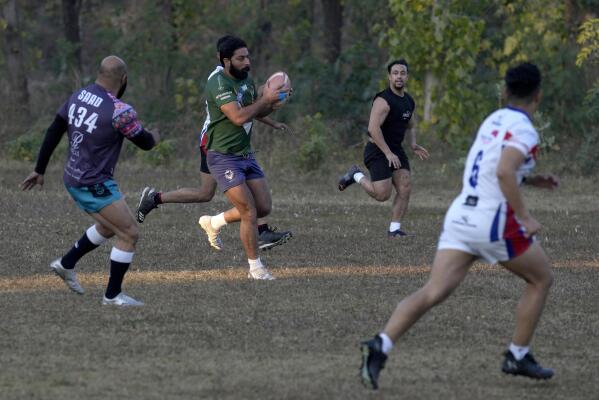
{"type": "Point", "coordinates": [93, 198]}
{"type": "Point", "coordinates": [230, 170]}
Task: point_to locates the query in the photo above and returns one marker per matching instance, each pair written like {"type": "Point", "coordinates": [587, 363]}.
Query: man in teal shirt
{"type": "Point", "coordinates": [232, 105]}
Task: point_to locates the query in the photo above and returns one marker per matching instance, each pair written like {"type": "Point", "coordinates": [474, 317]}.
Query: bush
{"type": "Point", "coordinates": [26, 147]}
{"type": "Point", "coordinates": [315, 146]}
{"type": "Point", "coordinates": [162, 154]}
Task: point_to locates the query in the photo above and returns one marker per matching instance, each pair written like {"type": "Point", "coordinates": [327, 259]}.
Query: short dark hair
{"type": "Point", "coordinates": [222, 40]}
{"type": "Point", "coordinates": [523, 81]}
{"type": "Point", "coordinates": [228, 46]}
{"type": "Point", "coordinates": [400, 61]}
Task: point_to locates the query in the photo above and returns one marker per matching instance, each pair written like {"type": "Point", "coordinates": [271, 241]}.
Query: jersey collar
{"type": "Point", "coordinates": [520, 111]}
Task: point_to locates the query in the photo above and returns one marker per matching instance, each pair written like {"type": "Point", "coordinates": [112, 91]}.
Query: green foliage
{"type": "Point", "coordinates": [315, 145]}
{"type": "Point", "coordinates": [162, 154]}
{"type": "Point", "coordinates": [26, 146]}
{"type": "Point", "coordinates": [588, 38]}
{"type": "Point", "coordinates": [441, 44]}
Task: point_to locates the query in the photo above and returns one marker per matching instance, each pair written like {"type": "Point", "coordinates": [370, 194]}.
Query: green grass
{"type": "Point", "coordinates": [207, 332]}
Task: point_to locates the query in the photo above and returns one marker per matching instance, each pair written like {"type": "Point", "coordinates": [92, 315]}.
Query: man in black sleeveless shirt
{"type": "Point", "coordinates": [384, 156]}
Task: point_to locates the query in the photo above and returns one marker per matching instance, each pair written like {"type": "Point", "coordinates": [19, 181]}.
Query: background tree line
{"type": "Point", "coordinates": [334, 50]}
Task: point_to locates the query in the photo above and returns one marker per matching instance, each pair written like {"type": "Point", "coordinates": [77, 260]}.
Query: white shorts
{"type": "Point", "coordinates": [493, 235]}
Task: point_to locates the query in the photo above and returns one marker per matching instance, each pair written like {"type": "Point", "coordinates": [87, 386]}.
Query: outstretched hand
{"type": "Point", "coordinates": [33, 179]}
{"type": "Point", "coordinates": [420, 151]}
{"type": "Point", "coordinates": [548, 181]}
{"type": "Point", "coordinates": [282, 127]}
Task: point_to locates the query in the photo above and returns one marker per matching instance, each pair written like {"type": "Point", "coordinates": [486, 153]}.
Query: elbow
{"type": "Point", "coordinates": [238, 121]}
{"type": "Point", "coordinates": [504, 174]}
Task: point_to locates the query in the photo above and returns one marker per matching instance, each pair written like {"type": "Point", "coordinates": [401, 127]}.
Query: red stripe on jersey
{"type": "Point", "coordinates": [203, 141]}
{"type": "Point", "coordinates": [513, 235]}
{"type": "Point", "coordinates": [507, 136]}
{"type": "Point", "coordinates": [534, 151]}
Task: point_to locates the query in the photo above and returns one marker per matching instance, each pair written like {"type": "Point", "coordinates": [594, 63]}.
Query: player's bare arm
{"type": "Point", "coordinates": [510, 161]}
{"type": "Point", "coordinates": [416, 148]}
{"type": "Point", "coordinates": [240, 115]}
{"type": "Point", "coordinates": [378, 113]}
{"type": "Point", "coordinates": [274, 124]}
{"type": "Point", "coordinates": [544, 181]}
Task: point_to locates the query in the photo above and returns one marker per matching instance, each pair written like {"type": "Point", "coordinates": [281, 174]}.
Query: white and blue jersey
{"type": "Point", "coordinates": [480, 221]}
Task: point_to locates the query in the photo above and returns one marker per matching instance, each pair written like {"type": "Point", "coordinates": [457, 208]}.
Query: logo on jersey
{"type": "Point", "coordinates": [406, 115]}
{"type": "Point", "coordinates": [229, 175]}
{"type": "Point", "coordinates": [464, 221]}
{"type": "Point", "coordinates": [76, 141]}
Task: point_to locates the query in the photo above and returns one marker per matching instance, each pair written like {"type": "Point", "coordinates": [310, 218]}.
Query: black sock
{"type": "Point", "coordinates": [262, 228]}
{"type": "Point", "coordinates": [81, 248]}
{"type": "Point", "coordinates": [158, 198]}
{"type": "Point", "coordinates": [117, 273]}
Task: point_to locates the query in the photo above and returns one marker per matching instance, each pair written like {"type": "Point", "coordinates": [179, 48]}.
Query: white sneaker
{"type": "Point", "coordinates": [122, 300]}
{"type": "Point", "coordinates": [67, 275]}
{"type": "Point", "coordinates": [213, 234]}
{"type": "Point", "coordinates": [261, 274]}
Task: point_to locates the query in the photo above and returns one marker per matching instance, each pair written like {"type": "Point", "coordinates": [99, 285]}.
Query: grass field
{"type": "Point", "coordinates": [209, 333]}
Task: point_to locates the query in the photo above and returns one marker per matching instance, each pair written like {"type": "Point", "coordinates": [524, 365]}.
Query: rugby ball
{"type": "Point", "coordinates": [280, 80]}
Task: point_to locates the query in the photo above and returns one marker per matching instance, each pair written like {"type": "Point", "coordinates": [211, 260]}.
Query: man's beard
{"type": "Point", "coordinates": [240, 74]}
{"type": "Point", "coordinates": [122, 90]}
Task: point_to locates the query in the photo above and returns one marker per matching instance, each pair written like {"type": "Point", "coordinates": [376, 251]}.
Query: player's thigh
{"type": "Point", "coordinates": [242, 198]}
{"type": "Point", "coordinates": [532, 266]}
{"type": "Point", "coordinates": [382, 189]}
{"type": "Point", "coordinates": [118, 218]}
{"type": "Point", "coordinates": [449, 270]}
{"type": "Point", "coordinates": [261, 193]}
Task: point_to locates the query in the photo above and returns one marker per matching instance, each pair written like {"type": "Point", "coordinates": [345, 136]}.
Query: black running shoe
{"type": "Point", "coordinates": [373, 361]}
{"type": "Point", "coordinates": [348, 178]}
{"type": "Point", "coordinates": [146, 204]}
{"type": "Point", "coordinates": [398, 233]}
{"type": "Point", "coordinates": [525, 367]}
{"type": "Point", "coordinates": [269, 238]}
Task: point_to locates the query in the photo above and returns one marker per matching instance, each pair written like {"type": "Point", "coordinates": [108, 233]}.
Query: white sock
{"type": "Point", "coordinates": [122, 256]}
{"type": "Point", "coordinates": [394, 226]}
{"type": "Point", "coordinates": [218, 221]}
{"type": "Point", "coordinates": [255, 264]}
{"type": "Point", "coordinates": [518, 351]}
{"type": "Point", "coordinates": [358, 176]}
{"type": "Point", "coordinates": [94, 236]}
{"type": "Point", "coordinates": [387, 343]}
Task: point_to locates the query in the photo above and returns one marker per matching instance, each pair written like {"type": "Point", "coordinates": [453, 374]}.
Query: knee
{"type": "Point", "coordinates": [547, 281]}
{"type": "Point", "coordinates": [205, 195]}
{"type": "Point", "coordinates": [405, 188]}
{"type": "Point", "coordinates": [131, 234]}
{"type": "Point", "coordinates": [248, 212]}
{"type": "Point", "coordinates": [382, 196]}
{"type": "Point", "coordinates": [263, 211]}
{"type": "Point", "coordinates": [435, 295]}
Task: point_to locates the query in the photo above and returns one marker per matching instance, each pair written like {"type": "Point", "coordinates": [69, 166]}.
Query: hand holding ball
{"type": "Point", "coordinates": [281, 82]}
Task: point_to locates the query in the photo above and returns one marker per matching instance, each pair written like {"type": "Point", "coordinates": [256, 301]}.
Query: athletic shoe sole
{"type": "Point", "coordinates": [282, 240]}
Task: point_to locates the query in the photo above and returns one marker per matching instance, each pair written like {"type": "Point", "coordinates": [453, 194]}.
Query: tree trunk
{"type": "Point", "coordinates": [15, 64]}
{"type": "Point", "coordinates": [70, 20]}
{"type": "Point", "coordinates": [430, 79]}
{"type": "Point", "coordinates": [430, 83]}
{"type": "Point", "coordinates": [333, 22]}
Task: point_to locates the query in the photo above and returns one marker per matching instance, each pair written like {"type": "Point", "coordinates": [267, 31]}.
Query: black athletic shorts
{"type": "Point", "coordinates": [378, 165]}
{"type": "Point", "coordinates": [204, 162]}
